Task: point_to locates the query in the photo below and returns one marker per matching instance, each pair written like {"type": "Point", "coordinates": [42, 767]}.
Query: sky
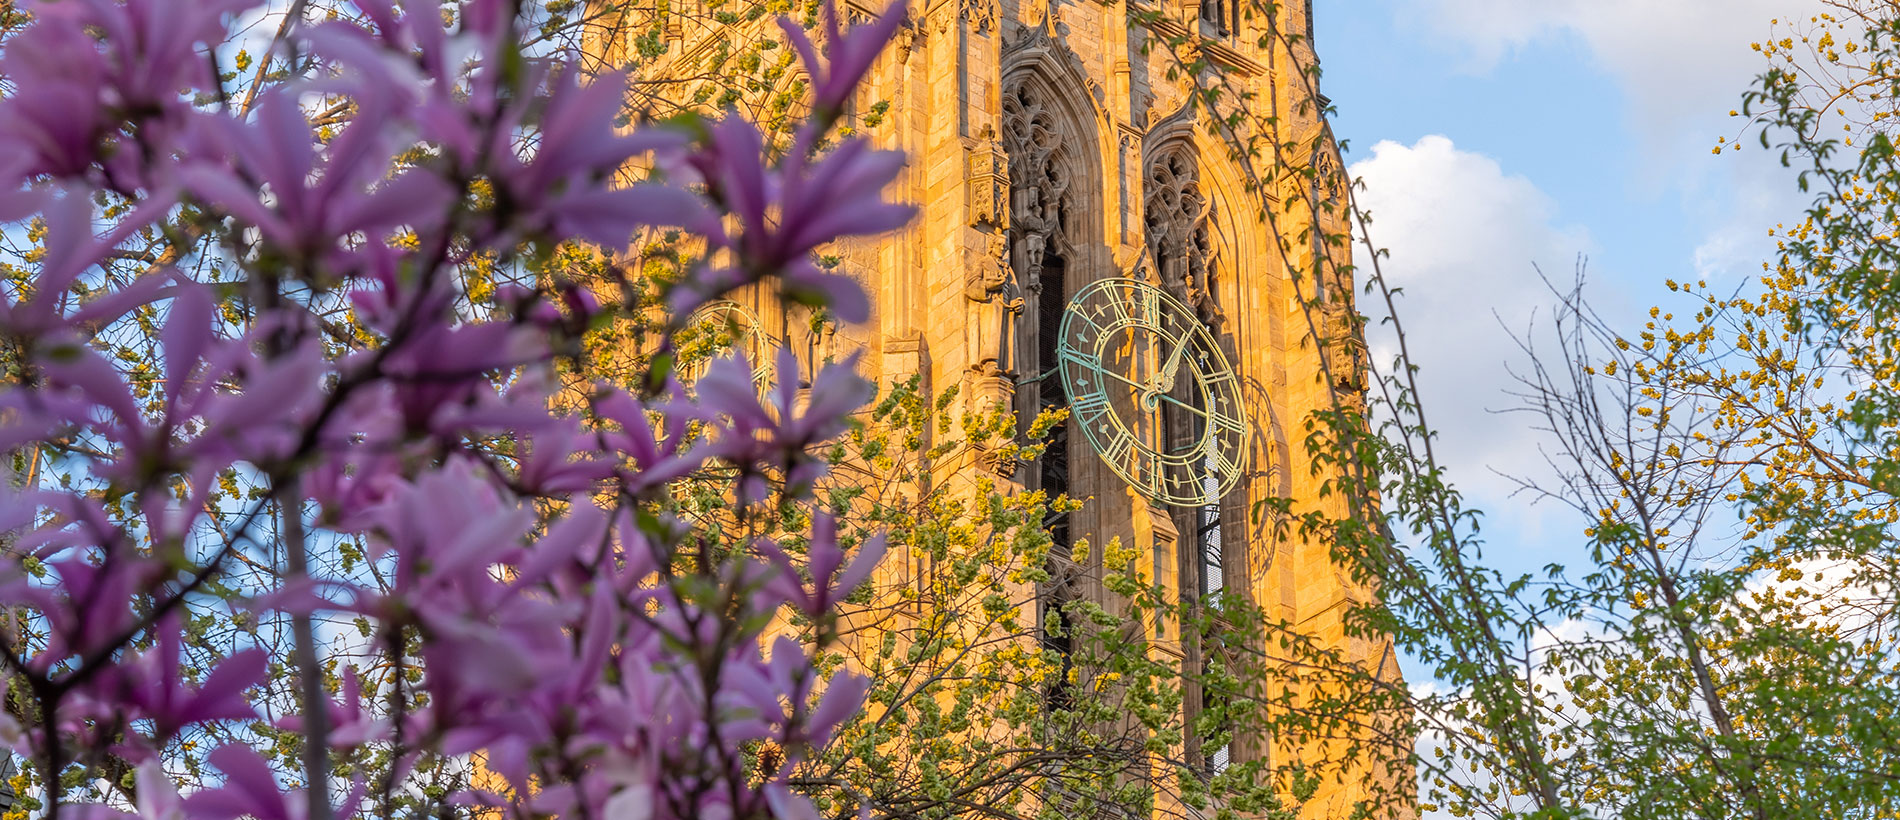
{"type": "Point", "coordinates": [1497, 138]}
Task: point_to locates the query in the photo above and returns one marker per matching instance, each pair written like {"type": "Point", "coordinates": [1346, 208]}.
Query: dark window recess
{"type": "Point", "coordinates": [1058, 637]}
{"type": "Point", "coordinates": [1215, 756]}
{"type": "Point", "coordinates": [1223, 15]}
{"type": "Point", "coordinates": [1053, 478]}
{"type": "Point", "coordinates": [1210, 564]}
{"type": "Point", "coordinates": [1054, 470]}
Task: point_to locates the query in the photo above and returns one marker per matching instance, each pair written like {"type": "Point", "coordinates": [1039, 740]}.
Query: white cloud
{"type": "Point", "coordinates": [1464, 236]}
{"type": "Point", "coordinates": [1678, 61]}
{"type": "Point", "coordinates": [1735, 204]}
{"type": "Point", "coordinates": [1681, 67]}
{"type": "Point", "coordinates": [1850, 595]}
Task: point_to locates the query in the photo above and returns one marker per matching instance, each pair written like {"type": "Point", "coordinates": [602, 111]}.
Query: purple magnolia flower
{"type": "Point", "coordinates": [850, 54]}
{"type": "Point", "coordinates": [658, 457]}
{"type": "Point", "coordinates": [784, 215]}
{"type": "Point", "coordinates": [261, 172]}
{"type": "Point", "coordinates": [566, 186]}
{"type": "Point", "coordinates": [155, 687]}
{"type": "Point", "coordinates": [72, 251]}
{"type": "Point", "coordinates": [235, 403]}
{"type": "Point", "coordinates": [92, 72]}
{"type": "Point", "coordinates": [783, 435]}
{"type": "Point", "coordinates": [601, 652]}
{"type": "Point", "coordinates": [152, 48]}
{"type": "Point", "coordinates": [157, 798]}
{"type": "Point", "coordinates": [250, 789]}
{"type": "Point", "coordinates": [16, 163]}
{"type": "Point", "coordinates": [54, 116]}
{"type": "Point", "coordinates": [831, 578]}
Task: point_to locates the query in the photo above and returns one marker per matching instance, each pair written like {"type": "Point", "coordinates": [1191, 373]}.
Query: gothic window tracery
{"type": "Point", "coordinates": [1181, 244]}
{"type": "Point", "coordinates": [1040, 199]}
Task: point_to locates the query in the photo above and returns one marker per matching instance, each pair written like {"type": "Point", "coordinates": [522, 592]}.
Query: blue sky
{"type": "Point", "coordinates": [1492, 135]}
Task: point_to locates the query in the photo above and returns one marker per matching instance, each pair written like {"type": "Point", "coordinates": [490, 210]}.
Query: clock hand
{"type": "Point", "coordinates": [1100, 371]}
{"type": "Point", "coordinates": [1147, 390]}
{"type": "Point", "coordinates": [1173, 367]}
{"type": "Point", "coordinates": [1181, 404]}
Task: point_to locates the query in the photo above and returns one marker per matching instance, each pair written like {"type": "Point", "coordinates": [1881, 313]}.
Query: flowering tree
{"type": "Point", "coordinates": [337, 469]}
{"type": "Point", "coordinates": [1725, 649]}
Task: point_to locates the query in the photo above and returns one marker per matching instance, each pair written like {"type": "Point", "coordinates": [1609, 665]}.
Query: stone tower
{"type": "Point", "coordinates": [1053, 143]}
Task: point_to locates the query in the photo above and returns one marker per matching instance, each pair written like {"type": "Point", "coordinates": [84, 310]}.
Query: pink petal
{"type": "Point", "coordinates": [186, 335]}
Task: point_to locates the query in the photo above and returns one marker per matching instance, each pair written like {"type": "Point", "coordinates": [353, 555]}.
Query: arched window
{"type": "Point", "coordinates": [1039, 206]}
{"type": "Point", "coordinates": [1053, 469]}
{"type": "Point", "coordinates": [1183, 260]}
{"type": "Point", "coordinates": [1052, 477]}
{"type": "Point", "coordinates": [1211, 552]}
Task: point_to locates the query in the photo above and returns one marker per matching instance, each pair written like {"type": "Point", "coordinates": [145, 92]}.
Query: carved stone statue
{"type": "Point", "coordinates": [1027, 210]}
{"type": "Point", "coordinates": [995, 306]}
{"type": "Point", "coordinates": [1030, 216]}
{"type": "Point", "coordinates": [994, 310]}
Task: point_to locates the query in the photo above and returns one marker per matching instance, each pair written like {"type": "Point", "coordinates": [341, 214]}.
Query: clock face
{"type": "Point", "coordinates": [1151, 390]}
{"type": "Point", "coordinates": [720, 329]}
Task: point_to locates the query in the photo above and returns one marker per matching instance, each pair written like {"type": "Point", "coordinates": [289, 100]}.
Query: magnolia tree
{"type": "Point", "coordinates": [526, 607]}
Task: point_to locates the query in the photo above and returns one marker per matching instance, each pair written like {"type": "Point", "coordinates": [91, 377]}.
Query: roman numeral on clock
{"type": "Point", "coordinates": [1229, 423]}
{"type": "Point", "coordinates": [1119, 449]}
{"type": "Point", "coordinates": [1089, 405]}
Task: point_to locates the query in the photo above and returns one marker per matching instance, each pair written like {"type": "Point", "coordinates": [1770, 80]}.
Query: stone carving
{"type": "Point", "coordinates": [1028, 34]}
{"type": "Point", "coordinates": [1041, 36]}
{"type": "Point", "coordinates": [1327, 180]}
{"type": "Point", "coordinates": [981, 14]}
{"type": "Point", "coordinates": [995, 306]}
{"type": "Point", "coordinates": [906, 39]}
{"type": "Point", "coordinates": [943, 17]}
{"type": "Point", "coordinates": [1036, 13]}
{"type": "Point", "coordinates": [1038, 179]}
{"type": "Point", "coordinates": [1180, 232]}
{"type": "Point", "coordinates": [988, 183]}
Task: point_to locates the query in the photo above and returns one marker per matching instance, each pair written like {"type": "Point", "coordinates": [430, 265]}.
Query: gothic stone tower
{"type": "Point", "coordinates": [1052, 144]}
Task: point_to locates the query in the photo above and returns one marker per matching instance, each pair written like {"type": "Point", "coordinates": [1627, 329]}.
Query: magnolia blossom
{"type": "Point", "coordinates": [524, 590]}
{"type": "Point", "coordinates": [786, 211]}
{"type": "Point", "coordinates": [851, 54]}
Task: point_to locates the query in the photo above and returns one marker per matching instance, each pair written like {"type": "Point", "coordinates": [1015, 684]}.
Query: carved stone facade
{"type": "Point", "coordinates": [1039, 170]}
{"type": "Point", "coordinates": [1052, 144]}
{"type": "Point", "coordinates": [1181, 246]}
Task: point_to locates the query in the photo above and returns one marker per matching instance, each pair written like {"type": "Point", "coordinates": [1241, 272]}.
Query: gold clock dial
{"type": "Point", "coordinates": [1151, 390]}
